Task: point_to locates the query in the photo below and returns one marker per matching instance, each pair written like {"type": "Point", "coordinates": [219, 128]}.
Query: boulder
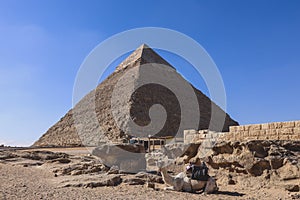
{"type": "Point", "coordinates": [292, 188]}
{"type": "Point", "coordinates": [289, 171]}
{"type": "Point", "coordinates": [127, 157]}
{"type": "Point", "coordinates": [96, 181]}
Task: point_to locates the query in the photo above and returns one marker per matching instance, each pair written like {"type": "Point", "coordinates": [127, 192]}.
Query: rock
{"type": "Point", "coordinates": [259, 166]}
{"type": "Point", "coordinates": [113, 180]}
{"type": "Point", "coordinates": [150, 185]}
{"type": "Point", "coordinates": [132, 180]}
{"type": "Point", "coordinates": [292, 188]}
{"type": "Point", "coordinates": [223, 147]}
{"type": "Point", "coordinates": [295, 196]}
{"type": "Point", "coordinates": [291, 145]}
{"type": "Point", "coordinates": [42, 155]}
{"type": "Point", "coordinates": [276, 162]}
{"type": "Point", "coordinates": [289, 171]}
{"type": "Point", "coordinates": [258, 148]}
{"type": "Point", "coordinates": [4, 155]}
{"type": "Point", "coordinates": [113, 170]}
{"type": "Point", "coordinates": [94, 181]}
{"type": "Point", "coordinates": [60, 160]}
{"type": "Point", "coordinates": [173, 151]}
{"type": "Point", "coordinates": [149, 177]}
{"type": "Point", "coordinates": [81, 168]}
{"type": "Point", "coordinates": [128, 157]}
{"type": "Point", "coordinates": [230, 180]}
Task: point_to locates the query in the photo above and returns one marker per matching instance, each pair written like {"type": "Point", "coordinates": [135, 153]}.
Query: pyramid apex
{"type": "Point", "coordinates": [142, 55]}
{"type": "Point", "coordinates": [144, 46]}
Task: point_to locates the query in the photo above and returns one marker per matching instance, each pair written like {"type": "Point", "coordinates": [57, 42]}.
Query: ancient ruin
{"type": "Point", "coordinates": [65, 131]}
{"type": "Point", "coordinates": [268, 131]}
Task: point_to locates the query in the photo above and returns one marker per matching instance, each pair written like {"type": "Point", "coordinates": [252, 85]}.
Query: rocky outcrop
{"type": "Point", "coordinates": [255, 157]}
{"type": "Point", "coordinates": [127, 157]}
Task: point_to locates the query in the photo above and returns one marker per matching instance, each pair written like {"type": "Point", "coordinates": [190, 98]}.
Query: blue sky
{"type": "Point", "coordinates": [255, 44]}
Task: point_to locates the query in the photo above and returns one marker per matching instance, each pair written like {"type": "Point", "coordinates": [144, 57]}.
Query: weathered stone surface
{"type": "Point", "coordinates": [223, 147]}
{"type": "Point", "coordinates": [256, 158]}
{"type": "Point", "coordinates": [271, 131]}
{"type": "Point", "coordinates": [292, 188]}
{"type": "Point", "coordinates": [128, 158]}
{"type": "Point", "coordinates": [289, 171]}
{"type": "Point", "coordinates": [259, 166]}
{"type": "Point", "coordinates": [92, 132]}
{"type": "Point", "coordinates": [81, 168]}
{"type": "Point", "coordinates": [133, 180]}
{"type": "Point", "coordinates": [92, 182]}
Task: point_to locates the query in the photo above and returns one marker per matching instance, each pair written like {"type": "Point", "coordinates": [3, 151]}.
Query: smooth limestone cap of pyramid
{"type": "Point", "coordinates": [142, 55]}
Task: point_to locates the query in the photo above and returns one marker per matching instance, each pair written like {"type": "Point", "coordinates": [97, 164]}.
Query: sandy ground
{"type": "Point", "coordinates": [38, 182]}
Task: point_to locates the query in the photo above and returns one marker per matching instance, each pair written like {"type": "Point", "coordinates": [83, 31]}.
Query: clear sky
{"type": "Point", "coordinates": [255, 44]}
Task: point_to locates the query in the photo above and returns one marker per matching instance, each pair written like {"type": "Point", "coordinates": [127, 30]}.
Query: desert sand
{"type": "Point", "coordinates": [39, 174]}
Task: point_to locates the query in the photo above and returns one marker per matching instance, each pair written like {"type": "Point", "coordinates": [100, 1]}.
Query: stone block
{"type": "Point", "coordinates": [254, 133]}
{"type": "Point", "coordinates": [294, 137]}
{"type": "Point", "coordinates": [189, 135]}
{"type": "Point", "coordinates": [272, 132]}
{"type": "Point", "coordinates": [233, 128]}
{"type": "Point", "coordinates": [284, 137]}
{"type": "Point", "coordinates": [265, 126]}
{"type": "Point", "coordinates": [240, 128]}
{"type": "Point", "coordinates": [287, 131]}
{"type": "Point", "coordinates": [255, 127]}
{"type": "Point", "coordinates": [288, 124]}
{"type": "Point", "coordinates": [251, 138]}
{"type": "Point", "coordinates": [262, 134]}
{"type": "Point", "coordinates": [247, 127]}
{"type": "Point", "coordinates": [297, 124]}
{"type": "Point", "coordinates": [245, 134]}
{"type": "Point", "coordinates": [278, 125]}
{"type": "Point", "coordinates": [297, 130]}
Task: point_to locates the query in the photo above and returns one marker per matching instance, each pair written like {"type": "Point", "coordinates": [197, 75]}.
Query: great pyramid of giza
{"type": "Point", "coordinates": [109, 105]}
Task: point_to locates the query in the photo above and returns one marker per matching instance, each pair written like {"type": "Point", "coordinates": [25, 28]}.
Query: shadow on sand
{"type": "Point", "coordinates": [234, 194]}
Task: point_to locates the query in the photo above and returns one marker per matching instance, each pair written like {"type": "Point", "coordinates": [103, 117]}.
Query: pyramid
{"type": "Point", "coordinates": [126, 97]}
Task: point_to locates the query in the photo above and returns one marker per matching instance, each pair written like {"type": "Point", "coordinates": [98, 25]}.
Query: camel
{"type": "Point", "coordinates": [181, 182]}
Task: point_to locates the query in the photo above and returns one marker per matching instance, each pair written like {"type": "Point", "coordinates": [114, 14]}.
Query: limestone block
{"type": "Point", "coordinates": [284, 137]}
{"type": "Point", "coordinates": [297, 123]}
{"type": "Point", "coordinates": [297, 130]}
{"type": "Point", "coordinates": [247, 127]}
{"type": "Point", "coordinates": [265, 126]}
{"type": "Point", "coordinates": [271, 132]}
{"type": "Point", "coordinates": [245, 133]}
{"type": "Point", "coordinates": [287, 131]}
{"type": "Point", "coordinates": [255, 127]}
{"type": "Point", "coordinates": [294, 137]}
{"type": "Point", "coordinates": [251, 138]}
{"type": "Point", "coordinates": [189, 135]}
{"type": "Point", "coordinates": [277, 125]}
{"type": "Point", "coordinates": [261, 135]}
{"type": "Point", "coordinates": [233, 128]}
{"type": "Point", "coordinates": [288, 124]}
{"type": "Point", "coordinates": [240, 128]}
{"type": "Point", "coordinates": [254, 133]}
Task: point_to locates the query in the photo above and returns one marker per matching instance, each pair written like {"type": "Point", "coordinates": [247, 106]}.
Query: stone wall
{"type": "Point", "coordinates": [270, 131]}
{"type": "Point", "coordinates": [193, 136]}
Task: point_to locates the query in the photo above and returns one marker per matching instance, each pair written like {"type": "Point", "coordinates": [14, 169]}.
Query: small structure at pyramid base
{"type": "Point", "coordinates": [126, 102]}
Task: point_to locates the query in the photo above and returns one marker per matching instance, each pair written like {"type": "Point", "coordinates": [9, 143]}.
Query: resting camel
{"type": "Point", "coordinates": [181, 182]}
